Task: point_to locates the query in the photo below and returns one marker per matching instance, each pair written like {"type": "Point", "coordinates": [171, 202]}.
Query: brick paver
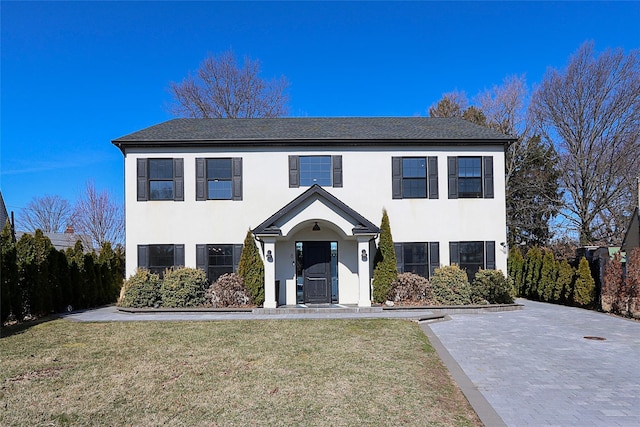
{"type": "Point", "coordinates": [535, 367]}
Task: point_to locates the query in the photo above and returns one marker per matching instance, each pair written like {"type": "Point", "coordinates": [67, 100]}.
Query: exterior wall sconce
{"type": "Point", "coordinates": [363, 255]}
{"type": "Point", "coordinates": [269, 256]}
{"type": "Point", "coordinates": [316, 227]}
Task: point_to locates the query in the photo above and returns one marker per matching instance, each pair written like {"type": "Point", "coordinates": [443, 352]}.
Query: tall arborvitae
{"type": "Point", "coordinates": [385, 270]}
{"type": "Point", "coordinates": [251, 269]}
{"type": "Point", "coordinates": [533, 263]}
{"type": "Point", "coordinates": [633, 282]}
{"type": "Point", "coordinates": [585, 286]}
{"type": "Point", "coordinates": [515, 268]}
{"type": "Point", "coordinates": [548, 276]}
{"type": "Point", "coordinates": [10, 295]}
{"type": "Point", "coordinates": [566, 277]}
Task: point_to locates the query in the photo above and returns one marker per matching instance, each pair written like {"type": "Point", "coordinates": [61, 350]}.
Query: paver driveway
{"type": "Point", "coordinates": [535, 367]}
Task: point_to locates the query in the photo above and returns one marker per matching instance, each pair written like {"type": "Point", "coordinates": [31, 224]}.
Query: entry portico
{"type": "Point", "coordinates": [317, 250]}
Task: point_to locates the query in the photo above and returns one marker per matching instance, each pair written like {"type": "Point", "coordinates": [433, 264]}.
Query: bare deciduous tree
{"type": "Point", "coordinates": [222, 88]}
{"type": "Point", "coordinates": [51, 214]}
{"type": "Point", "coordinates": [591, 110]}
{"type": "Point", "coordinates": [98, 216]}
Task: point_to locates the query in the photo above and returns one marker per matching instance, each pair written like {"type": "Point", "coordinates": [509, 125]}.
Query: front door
{"type": "Point", "coordinates": [316, 264]}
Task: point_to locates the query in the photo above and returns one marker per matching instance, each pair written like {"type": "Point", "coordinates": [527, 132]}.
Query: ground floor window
{"type": "Point", "coordinates": [473, 256]}
{"type": "Point", "coordinates": [420, 258]}
{"type": "Point", "coordinates": [158, 258]}
{"type": "Point", "coordinates": [218, 259]}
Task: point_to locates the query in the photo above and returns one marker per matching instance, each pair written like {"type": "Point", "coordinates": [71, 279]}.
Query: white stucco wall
{"type": "Point", "coordinates": [366, 189]}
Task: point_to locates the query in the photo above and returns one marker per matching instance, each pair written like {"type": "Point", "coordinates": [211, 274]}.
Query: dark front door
{"type": "Point", "coordinates": [317, 272]}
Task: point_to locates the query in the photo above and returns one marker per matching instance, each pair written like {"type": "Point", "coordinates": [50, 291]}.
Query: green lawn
{"type": "Point", "coordinates": [325, 373]}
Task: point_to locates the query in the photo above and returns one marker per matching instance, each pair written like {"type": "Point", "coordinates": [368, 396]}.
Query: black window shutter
{"type": "Point", "coordinates": [454, 253]}
{"type": "Point", "coordinates": [237, 252]}
{"type": "Point", "coordinates": [488, 177]}
{"type": "Point", "coordinates": [143, 256]}
{"type": "Point", "coordinates": [396, 177]}
{"type": "Point", "coordinates": [434, 257]}
{"type": "Point", "coordinates": [201, 179]}
{"type": "Point", "coordinates": [142, 180]}
{"type": "Point", "coordinates": [294, 171]}
{"type": "Point", "coordinates": [432, 163]}
{"type": "Point", "coordinates": [452, 173]}
{"type": "Point", "coordinates": [337, 170]}
{"type": "Point", "coordinates": [178, 255]}
{"type": "Point", "coordinates": [201, 257]}
{"type": "Point", "coordinates": [236, 185]}
{"type": "Point", "coordinates": [490, 255]}
{"type": "Point", "coordinates": [178, 180]}
{"type": "Point", "coordinates": [399, 250]}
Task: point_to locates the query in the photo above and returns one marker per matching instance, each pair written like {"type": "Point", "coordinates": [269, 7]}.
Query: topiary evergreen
{"type": "Point", "coordinates": [585, 287]}
{"type": "Point", "coordinates": [450, 285]}
{"type": "Point", "coordinates": [251, 269]}
{"type": "Point", "coordinates": [385, 270]}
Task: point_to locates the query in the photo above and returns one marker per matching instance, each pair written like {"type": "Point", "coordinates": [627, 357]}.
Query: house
{"type": "Point", "coordinates": [632, 236]}
{"type": "Point", "coordinates": [312, 190]}
{"type": "Point", "coordinates": [66, 240]}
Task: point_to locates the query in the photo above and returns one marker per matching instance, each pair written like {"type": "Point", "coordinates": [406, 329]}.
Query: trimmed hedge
{"type": "Point", "coordinates": [492, 287]}
{"type": "Point", "coordinates": [450, 286]}
{"type": "Point", "coordinates": [141, 290]}
{"type": "Point", "coordinates": [183, 287]}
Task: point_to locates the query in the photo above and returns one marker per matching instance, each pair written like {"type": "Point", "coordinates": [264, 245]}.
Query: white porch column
{"type": "Point", "coordinates": [364, 285]}
{"type": "Point", "coordinates": [269, 272]}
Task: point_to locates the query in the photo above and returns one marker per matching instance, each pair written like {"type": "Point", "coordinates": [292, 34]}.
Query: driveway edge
{"type": "Point", "coordinates": [479, 403]}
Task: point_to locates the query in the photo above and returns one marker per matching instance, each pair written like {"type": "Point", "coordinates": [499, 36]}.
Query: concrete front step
{"type": "Point", "coordinates": [320, 308]}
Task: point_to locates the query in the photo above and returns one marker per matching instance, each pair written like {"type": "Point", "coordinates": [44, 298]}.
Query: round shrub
{"type": "Point", "coordinates": [183, 287]}
{"type": "Point", "coordinates": [450, 286]}
{"type": "Point", "coordinates": [228, 291]}
{"type": "Point", "coordinates": [141, 290]}
{"type": "Point", "coordinates": [491, 287]}
{"type": "Point", "coordinates": [410, 288]}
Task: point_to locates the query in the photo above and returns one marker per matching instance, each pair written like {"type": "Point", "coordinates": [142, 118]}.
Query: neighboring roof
{"type": "Point", "coordinates": [62, 241]}
{"type": "Point", "coordinates": [345, 130]}
{"type": "Point", "coordinates": [632, 236]}
{"type": "Point", "coordinates": [4, 215]}
{"type": "Point", "coordinates": [364, 226]}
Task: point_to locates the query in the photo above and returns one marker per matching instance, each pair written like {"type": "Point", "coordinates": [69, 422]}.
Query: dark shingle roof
{"type": "Point", "coordinates": [349, 130]}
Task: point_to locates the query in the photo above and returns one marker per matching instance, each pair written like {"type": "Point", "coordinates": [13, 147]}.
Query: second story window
{"type": "Point", "coordinates": [219, 178]}
{"type": "Point", "coordinates": [470, 177]}
{"type": "Point", "coordinates": [305, 171]}
{"type": "Point", "coordinates": [160, 179]}
{"type": "Point", "coordinates": [414, 177]}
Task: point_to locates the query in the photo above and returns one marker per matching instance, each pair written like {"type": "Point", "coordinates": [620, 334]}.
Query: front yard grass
{"type": "Point", "coordinates": [276, 373]}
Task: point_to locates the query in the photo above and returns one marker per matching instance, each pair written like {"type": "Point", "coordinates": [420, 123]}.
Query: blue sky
{"type": "Point", "coordinates": [76, 75]}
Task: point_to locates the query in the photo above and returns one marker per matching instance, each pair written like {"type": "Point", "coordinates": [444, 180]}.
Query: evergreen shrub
{"type": "Point", "coordinates": [183, 287]}
{"type": "Point", "coordinates": [141, 290]}
{"type": "Point", "coordinates": [585, 287]}
{"type": "Point", "coordinates": [228, 291]}
{"type": "Point", "coordinates": [492, 287]}
{"type": "Point", "coordinates": [450, 286]}
{"type": "Point", "coordinates": [412, 289]}
{"type": "Point", "coordinates": [385, 271]}
{"type": "Point", "coordinates": [251, 269]}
